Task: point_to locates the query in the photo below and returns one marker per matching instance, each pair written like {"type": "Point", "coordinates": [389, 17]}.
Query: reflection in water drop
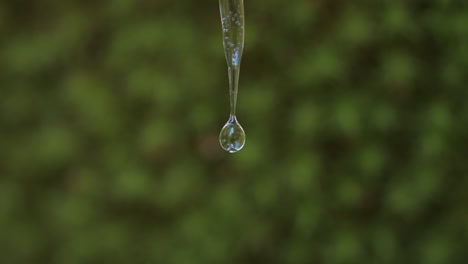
{"type": "Point", "coordinates": [232, 136]}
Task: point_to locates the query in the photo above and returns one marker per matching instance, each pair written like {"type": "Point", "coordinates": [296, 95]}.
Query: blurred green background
{"type": "Point", "coordinates": [355, 114]}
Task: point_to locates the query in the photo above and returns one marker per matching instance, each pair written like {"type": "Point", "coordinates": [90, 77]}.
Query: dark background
{"type": "Point", "coordinates": [355, 114]}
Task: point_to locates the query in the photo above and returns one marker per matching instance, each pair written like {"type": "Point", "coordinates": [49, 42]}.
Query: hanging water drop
{"type": "Point", "coordinates": [232, 136]}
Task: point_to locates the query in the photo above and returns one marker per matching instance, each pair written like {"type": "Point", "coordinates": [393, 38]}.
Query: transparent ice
{"type": "Point", "coordinates": [232, 136]}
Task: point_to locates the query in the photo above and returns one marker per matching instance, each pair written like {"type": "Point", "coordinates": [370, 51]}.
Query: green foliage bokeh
{"type": "Point", "coordinates": [355, 114]}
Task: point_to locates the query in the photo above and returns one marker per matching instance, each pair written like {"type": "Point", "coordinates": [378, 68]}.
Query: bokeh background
{"type": "Point", "coordinates": [355, 114]}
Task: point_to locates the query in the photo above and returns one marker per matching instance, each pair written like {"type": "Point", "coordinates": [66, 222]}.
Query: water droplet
{"type": "Point", "coordinates": [232, 136]}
